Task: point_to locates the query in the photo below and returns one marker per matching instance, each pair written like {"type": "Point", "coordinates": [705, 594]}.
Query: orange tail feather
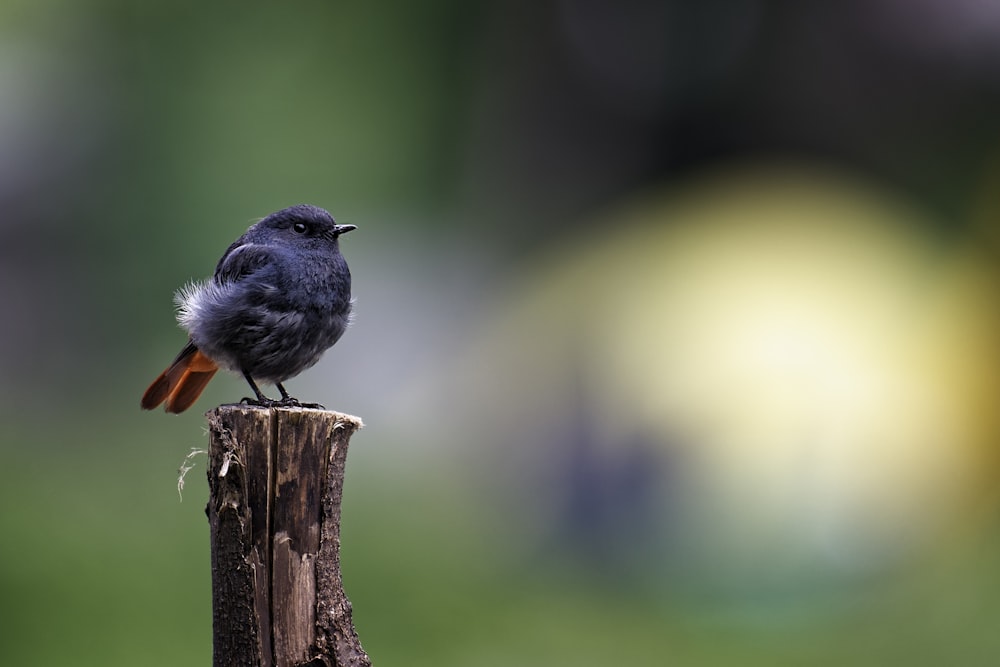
{"type": "Point", "coordinates": [182, 383]}
{"type": "Point", "coordinates": [188, 390]}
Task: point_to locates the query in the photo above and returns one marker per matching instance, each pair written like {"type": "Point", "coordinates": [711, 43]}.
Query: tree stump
{"type": "Point", "coordinates": [276, 478]}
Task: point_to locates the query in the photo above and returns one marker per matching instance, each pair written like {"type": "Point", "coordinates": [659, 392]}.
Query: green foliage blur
{"type": "Point", "coordinates": [509, 501]}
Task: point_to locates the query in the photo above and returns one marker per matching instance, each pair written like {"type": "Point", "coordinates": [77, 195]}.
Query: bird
{"type": "Point", "coordinates": [279, 298]}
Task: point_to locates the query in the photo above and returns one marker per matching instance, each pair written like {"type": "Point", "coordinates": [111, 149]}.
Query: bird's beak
{"type": "Point", "coordinates": [343, 229]}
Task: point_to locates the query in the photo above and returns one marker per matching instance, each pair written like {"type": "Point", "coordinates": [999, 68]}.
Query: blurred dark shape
{"type": "Point", "coordinates": [614, 500]}
{"type": "Point", "coordinates": [579, 103]}
{"type": "Point", "coordinates": [641, 58]}
{"type": "Point", "coordinates": [962, 35]}
{"type": "Point", "coordinates": [56, 113]}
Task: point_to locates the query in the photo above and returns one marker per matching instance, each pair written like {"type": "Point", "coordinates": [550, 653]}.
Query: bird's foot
{"type": "Point", "coordinates": [285, 401]}
{"type": "Point", "coordinates": [260, 402]}
{"type": "Point", "coordinates": [289, 402]}
{"type": "Point", "coordinates": [280, 403]}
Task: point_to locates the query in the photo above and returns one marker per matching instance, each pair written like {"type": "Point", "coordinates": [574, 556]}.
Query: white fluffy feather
{"type": "Point", "coordinates": [194, 299]}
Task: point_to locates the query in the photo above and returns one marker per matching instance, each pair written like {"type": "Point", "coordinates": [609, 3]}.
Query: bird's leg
{"type": "Point", "coordinates": [261, 398]}
{"type": "Point", "coordinates": [285, 398]}
{"type": "Point", "coordinates": [288, 400]}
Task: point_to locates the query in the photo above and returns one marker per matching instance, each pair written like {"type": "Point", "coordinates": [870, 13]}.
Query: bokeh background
{"type": "Point", "coordinates": [677, 324]}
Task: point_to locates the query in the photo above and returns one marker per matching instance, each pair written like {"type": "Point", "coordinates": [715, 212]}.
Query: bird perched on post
{"type": "Point", "coordinates": [280, 297]}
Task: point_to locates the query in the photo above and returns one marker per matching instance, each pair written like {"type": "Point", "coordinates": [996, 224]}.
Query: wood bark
{"type": "Point", "coordinates": [276, 480]}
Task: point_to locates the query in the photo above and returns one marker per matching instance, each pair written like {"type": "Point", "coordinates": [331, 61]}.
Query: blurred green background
{"type": "Point", "coordinates": [676, 330]}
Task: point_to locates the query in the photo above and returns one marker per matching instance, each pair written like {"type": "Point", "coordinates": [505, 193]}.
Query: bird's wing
{"type": "Point", "coordinates": [240, 260]}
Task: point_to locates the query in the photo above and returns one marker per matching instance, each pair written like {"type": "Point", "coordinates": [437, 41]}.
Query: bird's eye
{"type": "Point", "coordinates": [300, 227]}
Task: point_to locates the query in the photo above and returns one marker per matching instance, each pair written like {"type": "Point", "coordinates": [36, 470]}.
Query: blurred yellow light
{"type": "Point", "coordinates": [830, 369]}
{"type": "Point", "coordinates": [819, 369]}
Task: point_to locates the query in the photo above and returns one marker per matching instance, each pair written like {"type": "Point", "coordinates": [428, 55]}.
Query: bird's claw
{"type": "Point", "coordinates": [290, 402]}
{"type": "Point", "coordinates": [260, 403]}
{"type": "Point", "coordinates": [280, 403]}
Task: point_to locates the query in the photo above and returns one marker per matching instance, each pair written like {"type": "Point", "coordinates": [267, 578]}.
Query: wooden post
{"type": "Point", "coordinates": [276, 478]}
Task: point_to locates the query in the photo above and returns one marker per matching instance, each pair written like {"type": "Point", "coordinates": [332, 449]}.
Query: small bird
{"type": "Point", "coordinates": [280, 297]}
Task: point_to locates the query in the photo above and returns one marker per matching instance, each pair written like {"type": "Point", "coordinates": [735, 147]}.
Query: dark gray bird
{"type": "Point", "coordinates": [280, 297]}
